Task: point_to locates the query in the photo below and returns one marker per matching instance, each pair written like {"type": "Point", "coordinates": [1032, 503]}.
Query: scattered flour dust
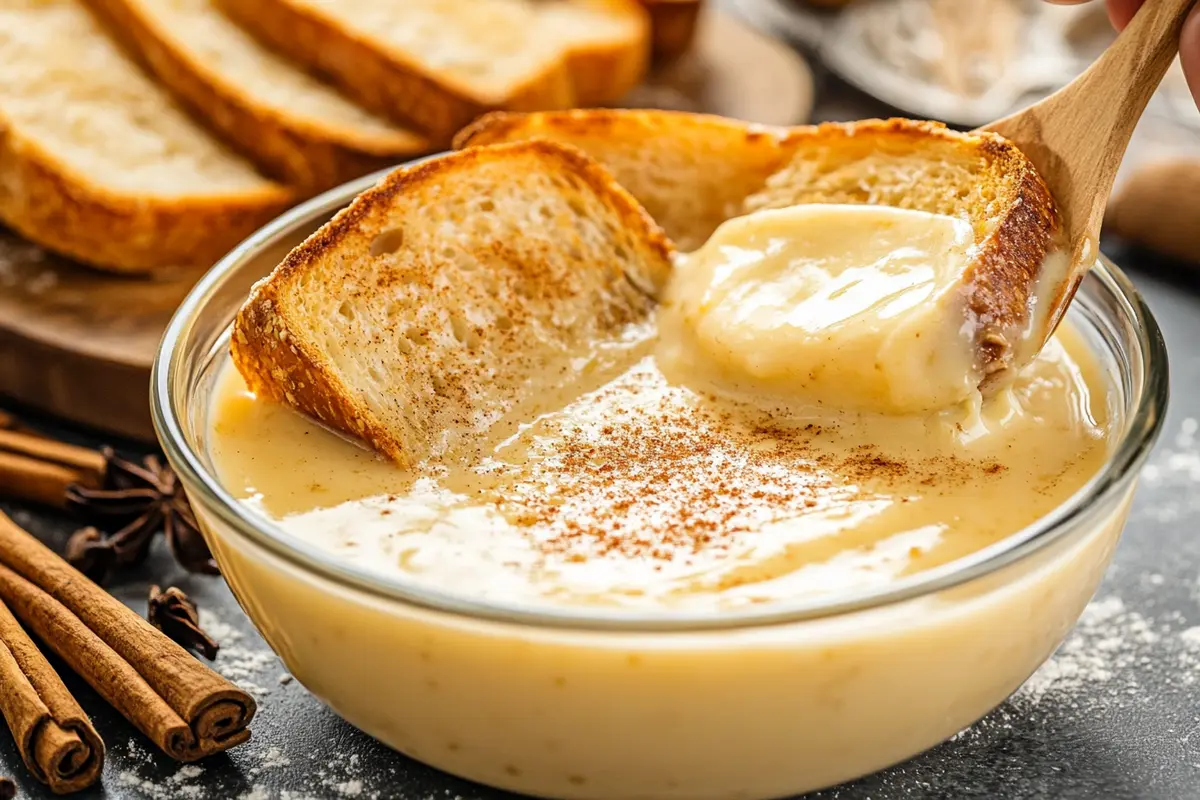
{"type": "Point", "coordinates": [185, 784]}
{"type": "Point", "coordinates": [1108, 640]}
{"type": "Point", "coordinates": [272, 759]}
{"type": "Point", "coordinates": [250, 668]}
{"type": "Point", "coordinates": [1175, 464]}
{"type": "Point", "coordinates": [1101, 660]}
{"type": "Point", "coordinates": [342, 776]}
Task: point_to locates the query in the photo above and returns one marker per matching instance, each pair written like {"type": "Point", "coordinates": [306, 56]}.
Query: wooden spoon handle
{"type": "Point", "coordinates": [1088, 123]}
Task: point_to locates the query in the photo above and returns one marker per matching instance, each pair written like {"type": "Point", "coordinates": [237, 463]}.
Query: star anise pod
{"type": "Point", "coordinates": [174, 613]}
{"type": "Point", "coordinates": [91, 553]}
{"type": "Point", "coordinates": [136, 502]}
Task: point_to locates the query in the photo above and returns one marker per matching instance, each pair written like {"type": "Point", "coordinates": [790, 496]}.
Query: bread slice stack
{"type": "Point", "coordinates": [438, 65]}
{"type": "Point", "coordinates": [138, 135]}
{"type": "Point", "coordinates": [297, 128]}
{"type": "Point", "coordinates": [97, 161]}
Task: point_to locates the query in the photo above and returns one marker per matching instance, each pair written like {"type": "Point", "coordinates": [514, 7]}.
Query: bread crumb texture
{"type": "Point", "coordinates": [455, 291]}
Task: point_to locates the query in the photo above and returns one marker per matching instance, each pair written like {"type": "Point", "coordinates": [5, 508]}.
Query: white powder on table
{"type": "Point", "coordinates": [1107, 640]}
{"type": "Point", "coordinates": [1175, 466]}
{"type": "Point", "coordinates": [245, 666]}
{"type": "Point", "coordinates": [184, 784]}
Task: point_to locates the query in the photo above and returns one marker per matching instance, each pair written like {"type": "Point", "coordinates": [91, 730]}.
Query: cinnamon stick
{"type": "Point", "coordinates": [34, 481]}
{"type": "Point", "coordinates": [55, 738]}
{"type": "Point", "coordinates": [89, 462]}
{"type": "Point", "coordinates": [39, 470]}
{"type": "Point", "coordinates": [188, 710]}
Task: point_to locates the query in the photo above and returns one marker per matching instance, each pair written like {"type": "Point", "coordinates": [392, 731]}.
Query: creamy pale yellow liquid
{"type": "Point", "coordinates": [695, 491]}
{"type": "Point", "coordinates": [635, 489]}
{"type": "Point", "coordinates": [855, 307]}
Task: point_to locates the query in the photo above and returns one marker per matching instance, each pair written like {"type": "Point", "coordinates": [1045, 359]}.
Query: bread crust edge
{"type": "Point", "coordinates": [673, 25]}
{"type": "Point", "coordinates": [49, 204]}
{"type": "Point", "coordinates": [383, 80]}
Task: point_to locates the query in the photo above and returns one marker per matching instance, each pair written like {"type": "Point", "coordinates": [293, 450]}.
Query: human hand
{"type": "Point", "coordinates": [1120, 12]}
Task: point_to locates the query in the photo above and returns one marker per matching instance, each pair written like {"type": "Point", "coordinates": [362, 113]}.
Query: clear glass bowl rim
{"type": "Point", "coordinates": [1127, 457]}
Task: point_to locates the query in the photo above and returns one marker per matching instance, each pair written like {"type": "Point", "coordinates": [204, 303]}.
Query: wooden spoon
{"type": "Point", "coordinates": [1077, 136]}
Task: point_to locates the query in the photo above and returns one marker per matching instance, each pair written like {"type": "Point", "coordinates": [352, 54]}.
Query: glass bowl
{"type": "Point", "coordinates": [568, 703]}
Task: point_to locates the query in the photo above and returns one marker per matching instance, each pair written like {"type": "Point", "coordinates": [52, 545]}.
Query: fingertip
{"type": "Point", "coordinates": [1120, 12]}
{"type": "Point", "coordinates": [1189, 52]}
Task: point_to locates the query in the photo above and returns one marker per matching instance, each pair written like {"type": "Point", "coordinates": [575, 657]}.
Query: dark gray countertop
{"type": "Point", "coordinates": [1116, 713]}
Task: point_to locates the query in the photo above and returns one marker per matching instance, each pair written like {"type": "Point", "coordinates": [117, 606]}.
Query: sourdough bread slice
{"type": "Point", "coordinates": [607, 44]}
{"type": "Point", "coordinates": [445, 297]}
{"type": "Point", "coordinates": [99, 164]}
{"type": "Point", "coordinates": [690, 171]}
{"type": "Point", "coordinates": [431, 63]}
{"type": "Point", "coordinates": [294, 126]}
{"type": "Point", "coordinates": [693, 172]}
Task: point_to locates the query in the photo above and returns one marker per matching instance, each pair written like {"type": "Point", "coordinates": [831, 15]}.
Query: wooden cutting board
{"type": "Point", "coordinates": [78, 343]}
{"type": "Point", "coordinates": [735, 71]}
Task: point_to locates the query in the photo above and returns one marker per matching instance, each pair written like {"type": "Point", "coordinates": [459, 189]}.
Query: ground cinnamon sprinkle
{"type": "Point", "coordinates": [668, 477]}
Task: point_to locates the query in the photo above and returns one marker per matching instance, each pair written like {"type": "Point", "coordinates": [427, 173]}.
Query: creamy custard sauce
{"type": "Point", "coordinates": [854, 307]}
{"type": "Point", "coordinates": [657, 483]}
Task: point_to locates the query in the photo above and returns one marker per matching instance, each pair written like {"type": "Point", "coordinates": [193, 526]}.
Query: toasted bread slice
{"type": "Point", "coordinates": [690, 171]}
{"type": "Point", "coordinates": [98, 162]}
{"type": "Point", "coordinates": [673, 26]}
{"type": "Point", "coordinates": [295, 127]}
{"type": "Point", "coordinates": [434, 65]}
{"type": "Point", "coordinates": [607, 44]}
{"type": "Point", "coordinates": [448, 295]}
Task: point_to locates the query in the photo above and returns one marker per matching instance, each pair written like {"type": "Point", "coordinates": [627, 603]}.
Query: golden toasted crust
{"type": "Point", "coordinates": [289, 368]}
{"type": "Point", "coordinates": [690, 171]}
{"type": "Point", "coordinates": [673, 23]}
{"type": "Point", "coordinates": [49, 204]}
{"type": "Point", "coordinates": [602, 74]}
{"type": "Point", "coordinates": [1003, 275]}
{"type": "Point", "coordinates": [309, 157]}
{"type": "Point", "coordinates": [386, 82]}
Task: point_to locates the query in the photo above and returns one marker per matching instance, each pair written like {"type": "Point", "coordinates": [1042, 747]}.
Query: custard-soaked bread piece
{"type": "Point", "coordinates": [97, 161]}
{"type": "Point", "coordinates": [978, 176]}
{"type": "Point", "coordinates": [449, 294]}
{"type": "Point", "coordinates": [298, 128]}
{"type": "Point", "coordinates": [690, 171]}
